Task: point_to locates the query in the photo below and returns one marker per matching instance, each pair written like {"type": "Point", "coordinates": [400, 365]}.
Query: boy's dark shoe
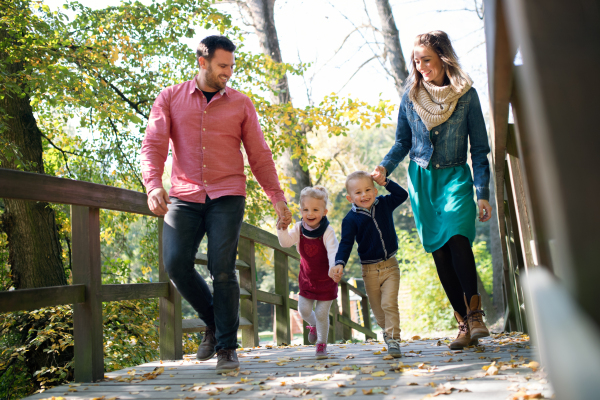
{"type": "Point", "coordinates": [227, 361]}
{"type": "Point", "coordinates": [206, 350]}
{"type": "Point", "coordinates": [393, 347]}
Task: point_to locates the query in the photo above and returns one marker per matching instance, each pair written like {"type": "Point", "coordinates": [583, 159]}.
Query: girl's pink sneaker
{"type": "Point", "coordinates": [321, 351]}
{"type": "Point", "coordinates": [312, 334]}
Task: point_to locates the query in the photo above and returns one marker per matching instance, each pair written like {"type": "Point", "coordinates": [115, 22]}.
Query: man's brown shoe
{"type": "Point", "coordinates": [206, 350]}
{"type": "Point", "coordinates": [227, 361]}
{"type": "Point", "coordinates": [464, 336]}
{"type": "Point", "coordinates": [475, 315]}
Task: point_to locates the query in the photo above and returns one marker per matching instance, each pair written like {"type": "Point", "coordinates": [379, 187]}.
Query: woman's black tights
{"type": "Point", "coordinates": [456, 268]}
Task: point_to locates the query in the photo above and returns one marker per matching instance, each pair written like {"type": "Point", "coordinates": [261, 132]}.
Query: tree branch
{"type": "Point", "coordinates": [64, 152]}
{"type": "Point", "coordinates": [116, 132]}
{"type": "Point", "coordinates": [355, 72]}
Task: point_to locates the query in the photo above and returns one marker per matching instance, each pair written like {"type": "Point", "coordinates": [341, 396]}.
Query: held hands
{"type": "Point", "coordinates": [379, 175]}
{"type": "Point", "coordinates": [336, 273]}
{"type": "Point", "coordinates": [485, 210]}
{"type": "Point", "coordinates": [284, 215]}
{"type": "Point", "coordinates": [158, 200]}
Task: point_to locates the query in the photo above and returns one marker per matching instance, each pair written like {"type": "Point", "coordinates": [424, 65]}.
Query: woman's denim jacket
{"type": "Point", "coordinates": [446, 144]}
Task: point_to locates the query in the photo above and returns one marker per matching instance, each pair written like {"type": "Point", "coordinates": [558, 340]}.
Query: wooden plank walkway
{"type": "Point", "coordinates": [427, 367]}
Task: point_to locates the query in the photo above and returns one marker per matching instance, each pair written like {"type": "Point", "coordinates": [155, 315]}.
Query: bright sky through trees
{"type": "Point", "coordinates": [311, 31]}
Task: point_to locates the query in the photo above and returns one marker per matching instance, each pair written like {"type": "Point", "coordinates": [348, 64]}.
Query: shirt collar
{"type": "Point", "coordinates": [356, 208]}
{"type": "Point", "coordinates": [195, 86]}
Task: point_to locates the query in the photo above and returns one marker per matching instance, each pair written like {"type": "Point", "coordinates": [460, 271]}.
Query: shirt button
{"type": "Point", "coordinates": [204, 181]}
{"type": "Point", "coordinates": [205, 166]}
{"type": "Point", "coordinates": [436, 132]}
{"type": "Point", "coordinates": [203, 148]}
{"type": "Point", "coordinates": [203, 129]}
{"type": "Point", "coordinates": [436, 165]}
{"type": "Point", "coordinates": [204, 112]}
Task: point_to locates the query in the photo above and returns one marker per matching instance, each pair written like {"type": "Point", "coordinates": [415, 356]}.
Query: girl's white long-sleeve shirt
{"type": "Point", "coordinates": [288, 238]}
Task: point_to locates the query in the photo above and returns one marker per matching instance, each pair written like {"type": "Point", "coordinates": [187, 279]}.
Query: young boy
{"type": "Point", "coordinates": [370, 223]}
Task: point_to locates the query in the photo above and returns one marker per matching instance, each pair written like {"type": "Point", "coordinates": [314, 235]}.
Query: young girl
{"type": "Point", "coordinates": [317, 245]}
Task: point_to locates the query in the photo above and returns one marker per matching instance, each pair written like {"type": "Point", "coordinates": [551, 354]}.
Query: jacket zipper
{"type": "Point", "coordinates": [380, 235]}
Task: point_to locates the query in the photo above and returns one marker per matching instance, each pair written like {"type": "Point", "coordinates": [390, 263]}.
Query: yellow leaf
{"type": "Point", "coordinates": [388, 357]}
{"type": "Point", "coordinates": [347, 392]}
{"type": "Point", "coordinates": [416, 337]}
{"type": "Point", "coordinates": [378, 373]}
{"type": "Point", "coordinates": [377, 353]}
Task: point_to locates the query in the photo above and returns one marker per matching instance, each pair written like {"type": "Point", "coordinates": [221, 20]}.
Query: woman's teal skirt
{"type": "Point", "coordinates": [442, 203]}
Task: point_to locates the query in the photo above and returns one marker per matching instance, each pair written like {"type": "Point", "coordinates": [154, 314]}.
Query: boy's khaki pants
{"type": "Point", "coordinates": [382, 282]}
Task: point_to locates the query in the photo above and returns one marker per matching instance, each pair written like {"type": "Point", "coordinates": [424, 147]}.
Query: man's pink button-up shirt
{"type": "Point", "coordinates": [205, 139]}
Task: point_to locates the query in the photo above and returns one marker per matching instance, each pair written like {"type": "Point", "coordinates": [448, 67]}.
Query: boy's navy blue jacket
{"type": "Point", "coordinates": [372, 229]}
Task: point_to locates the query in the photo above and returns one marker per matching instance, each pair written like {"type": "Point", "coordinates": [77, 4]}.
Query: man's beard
{"type": "Point", "coordinates": [213, 80]}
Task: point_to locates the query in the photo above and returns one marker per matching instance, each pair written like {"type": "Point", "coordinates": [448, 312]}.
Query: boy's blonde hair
{"type": "Point", "coordinates": [357, 175]}
{"type": "Point", "coordinates": [316, 192]}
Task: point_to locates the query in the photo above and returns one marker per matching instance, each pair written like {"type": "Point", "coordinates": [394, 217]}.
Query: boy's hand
{"type": "Point", "coordinates": [336, 273]}
{"type": "Point", "coordinates": [158, 200]}
{"type": "Point", "coordinates": [379, 175]}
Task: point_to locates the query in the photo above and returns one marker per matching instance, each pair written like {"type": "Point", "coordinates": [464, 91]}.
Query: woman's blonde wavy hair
{"type": "Point", "coordinates": [439, 42]}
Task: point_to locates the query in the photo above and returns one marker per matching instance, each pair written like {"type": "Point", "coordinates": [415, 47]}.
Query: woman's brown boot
{"type": "Point", "coordinates": [475, 318]}
{"type": "Point", "coordinates": [464, 336]}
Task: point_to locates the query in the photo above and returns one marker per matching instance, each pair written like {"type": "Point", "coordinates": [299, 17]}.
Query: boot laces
{"type": "Point", "coordinates": [312, 329]}
{"type": "Point", "coordinates": [321, 346]}
{"type": "Point", "coordinates": [208, 335]}
{"type": "Point", "coordinates": [463, 329]}
{"type": "Point", "coordinates": [225, 353]}
{"type": "Point", "coordinates": [393, 344]}
{"type": "Point", "coordinates": [476, 315]}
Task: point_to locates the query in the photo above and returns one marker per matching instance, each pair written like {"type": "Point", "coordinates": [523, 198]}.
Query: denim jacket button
{"type": "Point", "coordinates": [437, 165]}
{"type": "Point", "coordinates": [436, 132]}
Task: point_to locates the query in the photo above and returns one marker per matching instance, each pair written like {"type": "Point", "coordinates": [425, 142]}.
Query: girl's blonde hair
{"type": "Point", "coordinates": [439, 42]}
{"type": "Point", "coordinates": [316, 192]}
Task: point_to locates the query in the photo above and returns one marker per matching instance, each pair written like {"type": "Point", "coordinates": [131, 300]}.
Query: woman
{"type": "Point", "coordinates": [439, 114]}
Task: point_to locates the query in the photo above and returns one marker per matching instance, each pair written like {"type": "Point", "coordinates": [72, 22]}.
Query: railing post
{"type": "Point", "coordinates": [332, 325]}
{"type": "Point", "coordinates": [248, 307]}
{"type": "Point", "coordinates": [346, 330]}
{"type": "Point", "coordinates": [87, 316]}
{"type": "Point", "coordinates": [171, 337]}
{"type": "Point", "coordinates": [281, 329]}
{"type": "Point", "coordinates": [366, 310]}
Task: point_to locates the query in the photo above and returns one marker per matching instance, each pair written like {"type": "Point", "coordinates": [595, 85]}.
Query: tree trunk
{"type": "Point", "coordinates": [263, 18]}
{"type": "Point", "coordinates": [393, 49]}
{"type": "Point", "coordinates": [35, 253]}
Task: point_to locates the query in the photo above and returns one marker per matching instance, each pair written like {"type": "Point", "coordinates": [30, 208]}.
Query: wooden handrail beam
{"type": "Point", "coordinates": [133, 291]}
{"type": "Point", "coordinates": [32, 299]}
{"type": "Point", "coordinates": [39, 187]}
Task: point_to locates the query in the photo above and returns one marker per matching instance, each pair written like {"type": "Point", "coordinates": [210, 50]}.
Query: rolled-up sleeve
{"type": "Point", "coordinates": [480, 148]}
{"type": "Point", "coordinates": [155, 146]}
{"type": "Point", "coordinates": [259, 154]}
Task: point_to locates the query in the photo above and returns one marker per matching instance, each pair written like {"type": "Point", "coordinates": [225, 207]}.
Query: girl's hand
{"type": "Point", "coordinates": [379, 174]}
{"type": "Point", "coordinates": [336, 273]}
{"type": "Point", "coordinates": [485, 210]}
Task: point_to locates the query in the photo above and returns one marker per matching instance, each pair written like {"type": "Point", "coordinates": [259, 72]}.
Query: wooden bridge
{"type": "Point", "coordinates": [547, 189]}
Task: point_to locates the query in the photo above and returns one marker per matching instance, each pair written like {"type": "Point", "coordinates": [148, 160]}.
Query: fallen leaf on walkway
{"type": "Point", "coordinates": [322, 378]}
{"type": "Point", "coordinates": [388, 357]}
{"type": "Point", "coordinates": [416, 337]}
{"type": "Point", "coordinates": [387, 378]}
{"type": "Point", "coordinates": [534, 365]}
{"type": "Point", "coordinates": [367, 370]}
{"type": "Point", "coordinates": [159, 388]}
{"type": "Point", "coordinates": [366, 378]}
{"type": "Point", "coordinates": [384, 349]}
{"type": "Point", "coordinates": [377, 353]}
{"type": "Point", "coordinates": [378, 374]}
{"type": "Point", "coordinates": [522, 395]}
{"type": "Point", "coordinates": [346, 393]}
{"type": "Point", "coordinates": [349, 356]}
{"type": "Point", "coordinates": [412, 384]}
{"type": "Point", "coordinates": [134, 392]}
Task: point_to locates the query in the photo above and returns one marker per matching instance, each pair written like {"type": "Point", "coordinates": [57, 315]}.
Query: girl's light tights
{"type": "Point", "coordinates": [319, 317]}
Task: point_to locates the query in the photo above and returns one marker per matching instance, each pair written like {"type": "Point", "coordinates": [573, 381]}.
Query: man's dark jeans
{"type": "Point", "coordinates": [185, 225]}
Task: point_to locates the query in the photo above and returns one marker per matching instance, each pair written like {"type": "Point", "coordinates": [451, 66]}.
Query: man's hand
{"type": "Point", "coordinates": [336, 273]}
{"type": "Point", "coordinates": [379, 175]}
{"type": "Point", "coordinates": [485, 210]}
{"type": "Point", "coordinates": [158, 200]}
{"type": "Point", "coordinates": [284, 215]}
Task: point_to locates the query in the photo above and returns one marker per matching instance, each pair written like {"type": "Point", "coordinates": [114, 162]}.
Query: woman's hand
{"type": "Point", "coordinates": [485, 210]}
{"type": "Point", "coordinates": [379, 175]}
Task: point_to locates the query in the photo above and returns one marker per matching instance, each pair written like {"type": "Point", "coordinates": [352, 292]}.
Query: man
{"type": "Point", "coordinates": [205, 122]}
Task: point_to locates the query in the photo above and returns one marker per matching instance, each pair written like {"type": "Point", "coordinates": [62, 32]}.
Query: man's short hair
{"type": "Point", "coordinates": [357, 175]}
{"type": "Point", "coordinates": [208, 46]}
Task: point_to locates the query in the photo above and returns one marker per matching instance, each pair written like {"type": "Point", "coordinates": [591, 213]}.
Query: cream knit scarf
{"type": "Point", "coordinates": [436, 104]}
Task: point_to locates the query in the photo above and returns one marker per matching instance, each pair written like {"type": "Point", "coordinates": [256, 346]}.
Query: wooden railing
{"type": "Point", "coordinates": [87, 291]}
